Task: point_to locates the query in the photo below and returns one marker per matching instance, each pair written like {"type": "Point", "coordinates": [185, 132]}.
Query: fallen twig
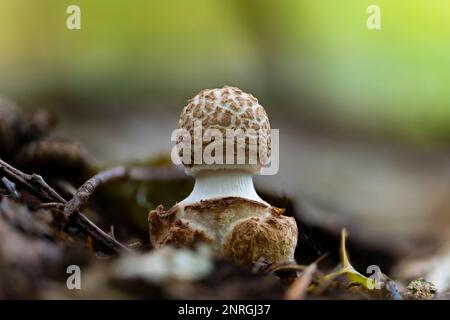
{"type": "Point", "coordinates": [151, 173]}
{"type": "Point", "coordinates": [298, 289]}
{"type": "Point", "coordinates": [83, 194]}
{"type": "Point", "coordinates": [38, 187]}
{"type": "Point", "coordinates": [292, 266]}
{"type": "Point", "coordinates": [32, 182]}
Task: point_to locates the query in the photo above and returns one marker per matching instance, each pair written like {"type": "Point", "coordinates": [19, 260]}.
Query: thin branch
{"type": "Point", "coordinates": [84, 193]}
{"type": "Point", "coordinates": [32, 182]}
{"type": "Point", "coordinates": [149, 173]}
{"type": "Point", "coordinates": [52, 205]}
{"type": "Point", "coordinates": [38, 187]}
{"type": "Point", "coordinates": [299, 289]}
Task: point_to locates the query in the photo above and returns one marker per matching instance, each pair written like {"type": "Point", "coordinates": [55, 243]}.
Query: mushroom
{"type": "Point", "coordinates": [224, 209]}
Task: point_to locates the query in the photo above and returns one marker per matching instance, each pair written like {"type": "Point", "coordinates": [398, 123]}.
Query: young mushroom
{"type": "Point", "coordinates": [222, 129]}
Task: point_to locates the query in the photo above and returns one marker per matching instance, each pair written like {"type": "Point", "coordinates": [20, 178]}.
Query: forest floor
{"type": "Point", "coordinates": [61, 219]}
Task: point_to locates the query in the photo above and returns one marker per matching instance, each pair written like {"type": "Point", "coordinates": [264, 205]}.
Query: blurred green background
{"type": "Point", "coordinates": [313, 61]}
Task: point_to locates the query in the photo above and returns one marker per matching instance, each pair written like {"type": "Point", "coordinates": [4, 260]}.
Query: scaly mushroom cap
{"type": "Point", "coordinates": [222, 109]}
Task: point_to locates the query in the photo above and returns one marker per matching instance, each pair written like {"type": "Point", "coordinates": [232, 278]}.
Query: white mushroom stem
{"type": "Point", "coordinates": [216, 184]}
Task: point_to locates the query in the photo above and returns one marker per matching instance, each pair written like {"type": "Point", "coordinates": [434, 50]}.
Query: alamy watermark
{"type": "Point", "coordinates": [376, 276]}
{"type": "Point", "coordinates": [374, 19]}
{"type": "Point", "coordinates": [73, 21]}
{"type": "Point", "coordinates": [73, 281]}
{"type": "Point", "coordinates": [213, 146]}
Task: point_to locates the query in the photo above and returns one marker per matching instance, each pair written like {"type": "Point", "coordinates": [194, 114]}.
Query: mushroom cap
{"type": "Point", "coordinates": [240, 120]}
